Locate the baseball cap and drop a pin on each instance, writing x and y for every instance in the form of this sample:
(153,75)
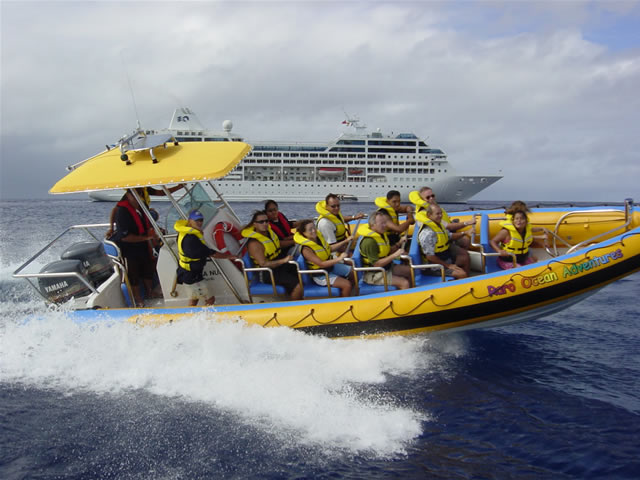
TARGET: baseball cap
(196,215)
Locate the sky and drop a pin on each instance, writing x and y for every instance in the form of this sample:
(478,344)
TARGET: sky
(546,93)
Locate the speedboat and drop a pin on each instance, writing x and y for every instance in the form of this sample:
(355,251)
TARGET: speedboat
(590,247)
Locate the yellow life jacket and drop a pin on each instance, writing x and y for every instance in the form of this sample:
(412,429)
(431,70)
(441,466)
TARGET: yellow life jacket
(383,203)
(384,247)
(518,244)
(321,249)
(341,225)
(271,244)
(443,240)
(183,229)
(416,199)
(421,206)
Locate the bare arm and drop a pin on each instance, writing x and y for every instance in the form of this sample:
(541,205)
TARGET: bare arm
(310,256)
(495,242)
(256,250)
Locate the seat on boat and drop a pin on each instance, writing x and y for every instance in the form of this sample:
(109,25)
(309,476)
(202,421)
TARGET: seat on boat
(421,272)
(490,258)
(252,279)
(311,288)
(366,288)
(113,252)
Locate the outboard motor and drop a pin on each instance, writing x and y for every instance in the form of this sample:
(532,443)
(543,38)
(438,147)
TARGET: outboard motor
(93,259)
(60,289)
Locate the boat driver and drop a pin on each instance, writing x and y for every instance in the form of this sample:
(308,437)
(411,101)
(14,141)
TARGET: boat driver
(332,224)
(132,234)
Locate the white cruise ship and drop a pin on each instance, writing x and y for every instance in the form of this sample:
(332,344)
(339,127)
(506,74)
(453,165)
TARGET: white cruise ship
(358,166)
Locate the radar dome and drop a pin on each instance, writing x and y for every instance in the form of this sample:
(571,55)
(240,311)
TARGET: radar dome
(227,125)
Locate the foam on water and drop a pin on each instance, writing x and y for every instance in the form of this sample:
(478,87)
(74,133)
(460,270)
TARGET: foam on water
(320,391)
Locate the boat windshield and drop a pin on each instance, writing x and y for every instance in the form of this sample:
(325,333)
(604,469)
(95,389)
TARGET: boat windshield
(196,198)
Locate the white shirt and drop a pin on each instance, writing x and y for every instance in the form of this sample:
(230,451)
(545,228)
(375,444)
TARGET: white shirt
(328,230)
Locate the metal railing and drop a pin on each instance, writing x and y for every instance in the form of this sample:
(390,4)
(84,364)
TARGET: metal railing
(28,276)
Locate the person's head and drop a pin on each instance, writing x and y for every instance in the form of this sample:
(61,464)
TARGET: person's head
(131,198)
(427,195)
(333,203)
(434,212)
(195,219)
(259,221)
(378,221)
(518,205)
(393,198)
(271,207)
(308,229)
(520,219)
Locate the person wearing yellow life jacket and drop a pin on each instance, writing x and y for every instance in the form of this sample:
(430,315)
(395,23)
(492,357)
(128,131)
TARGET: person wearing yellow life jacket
(264,249)
(515,237)
(331,223)
(377,251)
(391,204)
(193,253)
(317,252)
(437,244)
(425,197)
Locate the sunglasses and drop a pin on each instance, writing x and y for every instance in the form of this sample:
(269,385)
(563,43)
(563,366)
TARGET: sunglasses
(261,221)
(430,196)
(337,205)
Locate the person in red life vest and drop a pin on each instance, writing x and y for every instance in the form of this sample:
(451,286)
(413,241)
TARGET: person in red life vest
(132,234)
(145,193)
(193,253)
(280,224)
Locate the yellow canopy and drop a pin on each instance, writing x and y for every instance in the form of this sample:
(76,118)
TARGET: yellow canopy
(186,162)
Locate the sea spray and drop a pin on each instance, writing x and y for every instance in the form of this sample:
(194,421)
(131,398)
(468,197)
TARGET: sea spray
(312,389)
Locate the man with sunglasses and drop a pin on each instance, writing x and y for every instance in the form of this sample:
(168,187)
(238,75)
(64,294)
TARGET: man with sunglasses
(193,256)
(425,197)
(332,224)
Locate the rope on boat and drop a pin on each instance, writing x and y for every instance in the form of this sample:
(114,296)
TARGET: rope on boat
(546,268)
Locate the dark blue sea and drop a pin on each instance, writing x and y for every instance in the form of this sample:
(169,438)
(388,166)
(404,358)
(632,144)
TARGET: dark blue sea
(554,398)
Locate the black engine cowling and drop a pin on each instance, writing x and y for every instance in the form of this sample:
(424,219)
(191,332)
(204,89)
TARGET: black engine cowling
(59,289)
(93,259)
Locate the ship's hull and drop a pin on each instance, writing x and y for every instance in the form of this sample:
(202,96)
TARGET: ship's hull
(452,189)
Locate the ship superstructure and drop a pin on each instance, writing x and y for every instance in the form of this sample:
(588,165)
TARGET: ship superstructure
(358,165)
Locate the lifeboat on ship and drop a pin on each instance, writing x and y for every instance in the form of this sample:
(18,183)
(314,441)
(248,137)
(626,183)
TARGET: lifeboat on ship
(330,172)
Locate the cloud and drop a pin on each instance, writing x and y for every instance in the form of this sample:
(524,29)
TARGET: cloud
(517,87)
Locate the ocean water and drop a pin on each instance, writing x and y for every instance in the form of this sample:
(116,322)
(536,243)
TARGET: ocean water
(555,398)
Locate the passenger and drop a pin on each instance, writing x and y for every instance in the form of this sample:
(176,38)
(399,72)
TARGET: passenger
(426,197)
(332,224)
(193,253)
(376,251)
(317,253)
(144,193)
(515,237)
(132,233)
(437,246)
(279,224)
(264,250)
(391,204)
